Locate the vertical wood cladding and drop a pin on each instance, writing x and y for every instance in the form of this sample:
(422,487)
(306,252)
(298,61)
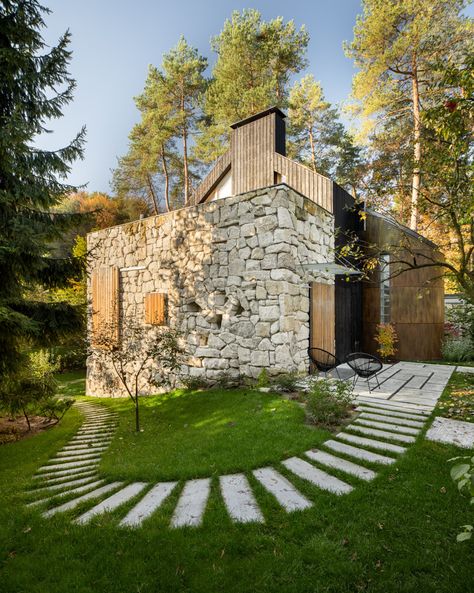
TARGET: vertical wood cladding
(417,296)
(156,308)
(105,303)
(322,316)
(252,149)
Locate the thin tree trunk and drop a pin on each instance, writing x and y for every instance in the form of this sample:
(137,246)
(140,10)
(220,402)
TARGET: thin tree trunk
(416,148)
(27,419)
(137,416)
(313,151)
(153,195)
(185,155)
(167,178)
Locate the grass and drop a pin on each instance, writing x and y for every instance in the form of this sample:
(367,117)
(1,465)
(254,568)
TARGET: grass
(457,401)
(395,534)
(191,434)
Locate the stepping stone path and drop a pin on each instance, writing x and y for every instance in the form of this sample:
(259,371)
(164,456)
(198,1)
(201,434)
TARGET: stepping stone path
(388,421)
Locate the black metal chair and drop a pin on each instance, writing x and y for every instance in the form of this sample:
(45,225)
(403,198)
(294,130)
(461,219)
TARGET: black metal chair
(324,361)
(364,366)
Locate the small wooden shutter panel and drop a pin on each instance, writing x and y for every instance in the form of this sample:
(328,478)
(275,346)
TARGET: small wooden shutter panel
(105,305)
(156,308)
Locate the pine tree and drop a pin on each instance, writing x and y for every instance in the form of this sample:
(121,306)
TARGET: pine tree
(396,44)
(255,60)
(34,88)
(158,165)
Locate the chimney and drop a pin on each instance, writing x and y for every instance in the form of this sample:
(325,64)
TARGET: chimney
(254,142)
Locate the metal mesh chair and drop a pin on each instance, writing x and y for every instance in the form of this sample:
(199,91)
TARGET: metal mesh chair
(324,361)
(364,366)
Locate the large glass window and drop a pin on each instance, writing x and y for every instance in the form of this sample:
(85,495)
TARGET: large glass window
(385,288)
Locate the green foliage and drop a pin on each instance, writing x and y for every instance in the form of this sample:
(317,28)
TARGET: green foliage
(34,88)
(255,60)
(386,338)
(318,138)
(328,402)
(457,349)
(262,379)
(287,382)
(158,153)
(463,475)
(29,389)
(194,383)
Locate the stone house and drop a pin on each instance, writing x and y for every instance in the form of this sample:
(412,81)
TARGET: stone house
(249,272)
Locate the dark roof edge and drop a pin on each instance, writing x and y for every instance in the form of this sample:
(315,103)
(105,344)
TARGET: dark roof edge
(258,115)
(402,227)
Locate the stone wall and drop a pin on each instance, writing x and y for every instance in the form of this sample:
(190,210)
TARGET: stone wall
(232,272)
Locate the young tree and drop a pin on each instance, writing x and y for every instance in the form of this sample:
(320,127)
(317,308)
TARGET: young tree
(396,43)
(138,353)
(255,60)
(34,88)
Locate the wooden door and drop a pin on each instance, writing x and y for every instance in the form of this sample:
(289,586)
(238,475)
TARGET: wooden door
(322,315)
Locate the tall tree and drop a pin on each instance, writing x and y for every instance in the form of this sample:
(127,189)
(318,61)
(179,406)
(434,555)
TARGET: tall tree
(314,124)
(158,158)
(396,43)
(255,60)
(30,178)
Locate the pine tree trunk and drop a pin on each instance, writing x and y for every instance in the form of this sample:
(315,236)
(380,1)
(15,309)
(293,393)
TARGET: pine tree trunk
(167,178)
(185,155)
(313,151)
(416,149)
(153,195)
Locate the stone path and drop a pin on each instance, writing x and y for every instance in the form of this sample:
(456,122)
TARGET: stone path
(389,421)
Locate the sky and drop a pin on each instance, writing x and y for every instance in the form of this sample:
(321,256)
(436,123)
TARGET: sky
(114,41)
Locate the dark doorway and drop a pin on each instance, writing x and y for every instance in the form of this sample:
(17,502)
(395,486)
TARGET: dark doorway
(348,315)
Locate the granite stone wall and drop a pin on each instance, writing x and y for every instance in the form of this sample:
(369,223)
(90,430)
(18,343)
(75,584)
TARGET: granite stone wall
(232,272)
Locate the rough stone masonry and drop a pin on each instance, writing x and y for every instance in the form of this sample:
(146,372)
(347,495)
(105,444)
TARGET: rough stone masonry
(232,273)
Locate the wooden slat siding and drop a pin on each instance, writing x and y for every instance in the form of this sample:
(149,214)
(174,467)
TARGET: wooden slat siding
(312,185)
(105,303)
(221,168)
(156,308)
(252,152)
(322,316)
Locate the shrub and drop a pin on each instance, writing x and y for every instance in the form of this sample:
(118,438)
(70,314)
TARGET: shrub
(386,338)
(262,379)
(457,349)
(328,402)
(287,382)
(194,383)
(27,391)
(461,318)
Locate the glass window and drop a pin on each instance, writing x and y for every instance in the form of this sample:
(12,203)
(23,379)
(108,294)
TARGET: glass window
(385,288)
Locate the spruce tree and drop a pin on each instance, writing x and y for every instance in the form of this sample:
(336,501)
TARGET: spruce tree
(34,88)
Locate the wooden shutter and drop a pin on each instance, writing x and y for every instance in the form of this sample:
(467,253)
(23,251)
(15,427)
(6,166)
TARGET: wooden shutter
(105,305)
(156,308)
(322,316)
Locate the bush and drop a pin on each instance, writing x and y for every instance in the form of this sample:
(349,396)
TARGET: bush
(461,319)
(457,349)
(194,383)
(287,382)
(463,474)
(28,390)
(386,338)
(262,379)
(328,402)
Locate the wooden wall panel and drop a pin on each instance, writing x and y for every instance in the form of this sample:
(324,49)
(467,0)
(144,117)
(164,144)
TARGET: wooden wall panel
(312,185)
(156,308)
(252,150)
(416,304)
(322,316)
(105,303)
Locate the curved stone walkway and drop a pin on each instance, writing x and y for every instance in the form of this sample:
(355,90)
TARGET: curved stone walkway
(377,437)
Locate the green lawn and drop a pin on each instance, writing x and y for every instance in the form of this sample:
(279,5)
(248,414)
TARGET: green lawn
(395,534)
(192,434)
